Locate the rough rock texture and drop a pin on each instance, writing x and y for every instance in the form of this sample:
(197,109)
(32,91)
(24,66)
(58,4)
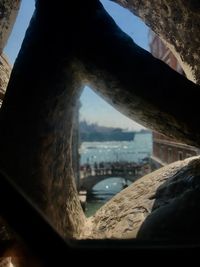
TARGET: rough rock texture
(134,82)
(164,203)
(5,232)
(5,70)
(5,262)
(178,24)
(59,56)
(36,126)
(8,13)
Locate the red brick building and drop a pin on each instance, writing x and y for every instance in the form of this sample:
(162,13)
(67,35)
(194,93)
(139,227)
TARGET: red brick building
(159,50)
(166,150)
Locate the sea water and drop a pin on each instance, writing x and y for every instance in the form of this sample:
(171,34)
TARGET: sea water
(129,151)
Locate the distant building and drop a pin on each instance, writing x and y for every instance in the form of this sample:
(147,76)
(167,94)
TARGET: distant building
(167,150)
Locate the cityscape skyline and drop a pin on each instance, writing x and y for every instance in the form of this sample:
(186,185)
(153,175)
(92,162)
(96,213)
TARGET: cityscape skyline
(93,109)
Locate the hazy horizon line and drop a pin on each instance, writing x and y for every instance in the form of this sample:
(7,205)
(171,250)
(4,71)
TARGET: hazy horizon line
(111,126)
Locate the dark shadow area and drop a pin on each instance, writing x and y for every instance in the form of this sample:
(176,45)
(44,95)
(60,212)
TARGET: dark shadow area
(49,248)
(175,213)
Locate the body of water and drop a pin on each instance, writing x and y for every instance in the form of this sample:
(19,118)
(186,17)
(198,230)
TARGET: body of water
(131,151)
(96,152)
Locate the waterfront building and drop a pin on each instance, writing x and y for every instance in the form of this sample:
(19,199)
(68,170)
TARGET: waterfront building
(167,150)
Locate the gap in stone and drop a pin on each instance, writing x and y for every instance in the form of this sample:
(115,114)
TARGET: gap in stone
(129,23)
(167,150)
(17,35)
(160,150)
(164,150)
(113,165)
(114,151)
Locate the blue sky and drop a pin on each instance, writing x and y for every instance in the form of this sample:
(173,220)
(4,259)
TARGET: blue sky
(94,108)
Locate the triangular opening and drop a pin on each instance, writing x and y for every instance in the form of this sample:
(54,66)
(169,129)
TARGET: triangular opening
(114,151)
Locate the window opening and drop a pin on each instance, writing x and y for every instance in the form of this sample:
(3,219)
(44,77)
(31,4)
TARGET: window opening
(114,151)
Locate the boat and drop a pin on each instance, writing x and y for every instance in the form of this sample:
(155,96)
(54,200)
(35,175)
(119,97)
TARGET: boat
(104,136)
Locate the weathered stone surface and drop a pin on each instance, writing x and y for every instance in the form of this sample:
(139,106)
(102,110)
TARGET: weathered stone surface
(174,189)
(140,86)
(175,214)
(36,125)
(37,114)
(5,70)
(5,262)
(178,24)
(5,231)
(8,13)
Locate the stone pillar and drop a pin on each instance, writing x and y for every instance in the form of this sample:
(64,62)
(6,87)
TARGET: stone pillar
(36,126)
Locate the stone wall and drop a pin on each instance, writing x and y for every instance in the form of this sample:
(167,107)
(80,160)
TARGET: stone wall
(177,23)
(8,13)
(56,60)
(5,70)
